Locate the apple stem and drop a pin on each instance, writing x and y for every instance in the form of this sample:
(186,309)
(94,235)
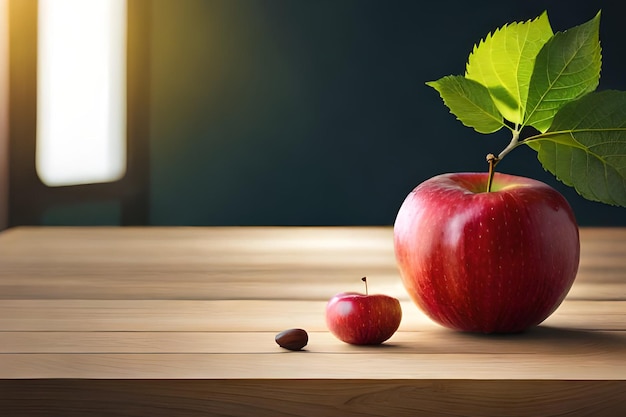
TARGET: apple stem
(492,160)
(364,279)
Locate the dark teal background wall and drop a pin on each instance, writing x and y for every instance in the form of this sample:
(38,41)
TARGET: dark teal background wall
(301,112)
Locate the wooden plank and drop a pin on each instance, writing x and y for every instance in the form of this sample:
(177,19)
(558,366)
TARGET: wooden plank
(243,315)
(180,239)
(312,398)
(268,285)
(237,263)
(64,241)
(544,340)
(378,363)
(600,291)
(197,246)
(151,315)
(193,263)
(603,273)
(312,283)
(196,243)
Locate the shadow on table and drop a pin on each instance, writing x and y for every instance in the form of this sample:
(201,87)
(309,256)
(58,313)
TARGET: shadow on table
(547,338)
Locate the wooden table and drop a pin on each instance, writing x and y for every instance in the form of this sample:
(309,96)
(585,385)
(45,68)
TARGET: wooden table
(181,322)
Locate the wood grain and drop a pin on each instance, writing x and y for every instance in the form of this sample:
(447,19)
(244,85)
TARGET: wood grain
(238,263)
(314,398)
(543,340)
(380,362)
(243,315)
(181,321)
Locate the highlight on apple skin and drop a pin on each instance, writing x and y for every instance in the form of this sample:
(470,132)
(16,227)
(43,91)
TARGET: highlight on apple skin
(489,262)
(362,319)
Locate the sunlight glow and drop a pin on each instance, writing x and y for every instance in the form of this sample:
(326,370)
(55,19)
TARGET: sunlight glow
(81,103)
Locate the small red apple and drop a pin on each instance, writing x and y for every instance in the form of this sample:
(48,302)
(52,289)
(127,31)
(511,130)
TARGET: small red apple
(499,261)
(363,319)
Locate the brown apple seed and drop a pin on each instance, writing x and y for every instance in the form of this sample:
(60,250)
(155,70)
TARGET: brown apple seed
(292,339)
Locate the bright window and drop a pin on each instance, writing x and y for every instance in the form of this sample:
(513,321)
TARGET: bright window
(81,99)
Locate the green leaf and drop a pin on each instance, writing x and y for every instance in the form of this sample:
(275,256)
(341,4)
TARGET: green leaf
(567,67)
(586,146)
(470,102)
(503,62)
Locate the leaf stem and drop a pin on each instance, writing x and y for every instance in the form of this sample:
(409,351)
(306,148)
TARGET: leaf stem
(493,161)
(512,145)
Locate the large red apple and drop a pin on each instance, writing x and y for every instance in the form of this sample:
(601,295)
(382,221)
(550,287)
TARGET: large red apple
(499,261)
(363,319)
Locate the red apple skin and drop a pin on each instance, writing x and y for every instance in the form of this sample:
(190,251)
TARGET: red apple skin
(361,319)
(497,262)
